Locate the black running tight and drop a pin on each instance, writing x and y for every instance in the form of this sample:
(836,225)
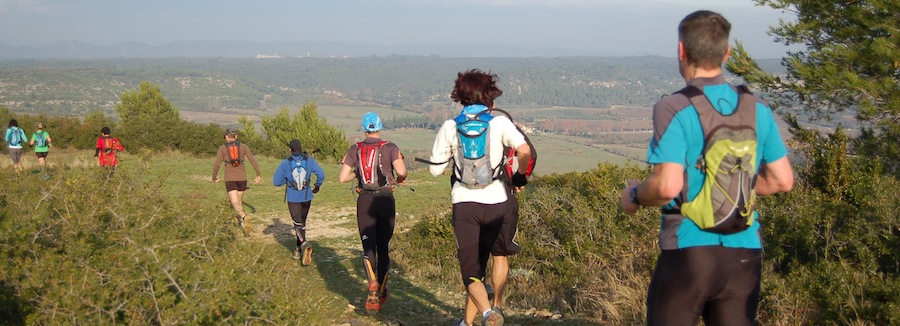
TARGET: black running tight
(299,212)
(375,216)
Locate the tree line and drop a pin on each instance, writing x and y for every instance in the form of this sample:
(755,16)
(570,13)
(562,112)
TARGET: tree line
(147,121)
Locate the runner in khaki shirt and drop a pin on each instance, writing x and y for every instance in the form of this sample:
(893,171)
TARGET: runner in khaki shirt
(234,154)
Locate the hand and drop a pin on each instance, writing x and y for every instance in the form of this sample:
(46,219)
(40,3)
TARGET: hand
(256,180)
(215,179)
(628,206)
(519,180)
(315,190)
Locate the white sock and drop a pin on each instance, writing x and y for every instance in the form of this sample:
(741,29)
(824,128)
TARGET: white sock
(463,323)
(485,313)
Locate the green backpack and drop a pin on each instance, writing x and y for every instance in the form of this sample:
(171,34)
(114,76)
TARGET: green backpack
(727,199)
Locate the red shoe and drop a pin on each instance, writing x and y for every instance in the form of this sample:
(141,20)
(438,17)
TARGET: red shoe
(373,301)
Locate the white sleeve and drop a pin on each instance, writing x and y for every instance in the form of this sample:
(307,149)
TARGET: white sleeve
(511,136)
(442,150)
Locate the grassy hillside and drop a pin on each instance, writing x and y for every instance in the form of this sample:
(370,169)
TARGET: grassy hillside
(156,244)
(162,214)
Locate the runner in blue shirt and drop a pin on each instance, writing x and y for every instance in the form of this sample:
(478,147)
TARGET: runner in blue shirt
(295,172)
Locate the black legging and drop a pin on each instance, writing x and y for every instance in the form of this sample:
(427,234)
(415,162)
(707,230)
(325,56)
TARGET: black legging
(375,215)
(299,212)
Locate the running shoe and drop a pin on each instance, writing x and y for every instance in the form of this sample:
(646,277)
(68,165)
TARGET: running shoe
(244,224)
(307,253)
(296,254)
(493,318)
(383,296)
(373,302)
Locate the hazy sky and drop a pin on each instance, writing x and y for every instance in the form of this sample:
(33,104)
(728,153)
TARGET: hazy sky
(619,27)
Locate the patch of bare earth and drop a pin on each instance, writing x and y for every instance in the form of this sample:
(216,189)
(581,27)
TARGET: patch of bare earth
(323,223)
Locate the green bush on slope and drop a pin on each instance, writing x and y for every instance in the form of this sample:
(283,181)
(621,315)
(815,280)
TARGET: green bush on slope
(81,250)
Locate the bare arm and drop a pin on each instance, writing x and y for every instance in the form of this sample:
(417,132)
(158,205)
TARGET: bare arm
(400,169)
(775,177)
(346,172)
(523,154)
(663,185)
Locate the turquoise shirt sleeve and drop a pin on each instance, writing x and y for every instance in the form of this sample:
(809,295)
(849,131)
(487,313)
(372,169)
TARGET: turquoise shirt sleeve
(671,147)
(771,146)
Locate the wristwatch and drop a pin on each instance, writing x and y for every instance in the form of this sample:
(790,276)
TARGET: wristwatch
(634,196)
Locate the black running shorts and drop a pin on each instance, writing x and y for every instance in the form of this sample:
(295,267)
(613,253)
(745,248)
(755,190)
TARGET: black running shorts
(236,185)
(718,283)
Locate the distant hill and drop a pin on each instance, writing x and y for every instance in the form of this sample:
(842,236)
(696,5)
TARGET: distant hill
(67,49)
(410,83)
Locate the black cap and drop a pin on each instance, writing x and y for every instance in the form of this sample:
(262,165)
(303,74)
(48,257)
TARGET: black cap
(105,130)
(230,132)
(296,147)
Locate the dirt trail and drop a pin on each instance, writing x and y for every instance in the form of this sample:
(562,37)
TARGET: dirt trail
(323,223)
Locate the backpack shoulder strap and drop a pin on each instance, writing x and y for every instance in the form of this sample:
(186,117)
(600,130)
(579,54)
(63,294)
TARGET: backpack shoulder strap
(744,113)
(746,109)
(702,105)
(483,116)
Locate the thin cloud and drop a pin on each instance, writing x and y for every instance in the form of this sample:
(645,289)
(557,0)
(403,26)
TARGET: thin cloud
(528,3)
(26,6)
(587,3)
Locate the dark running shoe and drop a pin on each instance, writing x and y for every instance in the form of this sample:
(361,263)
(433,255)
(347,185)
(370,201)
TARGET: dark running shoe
(383,296)
(296,254)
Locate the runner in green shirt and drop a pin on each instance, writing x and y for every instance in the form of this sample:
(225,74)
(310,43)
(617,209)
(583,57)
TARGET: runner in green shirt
(40,139)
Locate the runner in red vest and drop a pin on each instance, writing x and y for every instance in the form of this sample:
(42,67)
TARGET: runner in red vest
(375,209)
(107,147)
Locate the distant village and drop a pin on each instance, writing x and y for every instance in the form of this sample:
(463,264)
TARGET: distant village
(276,56)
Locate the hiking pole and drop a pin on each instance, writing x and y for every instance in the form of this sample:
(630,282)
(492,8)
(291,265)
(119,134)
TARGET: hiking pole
(422,160)
(401,185)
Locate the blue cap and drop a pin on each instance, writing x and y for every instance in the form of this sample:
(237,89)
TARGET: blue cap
(371,122)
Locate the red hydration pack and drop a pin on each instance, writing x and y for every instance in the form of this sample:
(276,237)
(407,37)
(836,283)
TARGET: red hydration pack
(234,153)
(369,167)
(509,154)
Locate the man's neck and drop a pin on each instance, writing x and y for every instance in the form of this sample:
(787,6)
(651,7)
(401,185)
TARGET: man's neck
(698,72)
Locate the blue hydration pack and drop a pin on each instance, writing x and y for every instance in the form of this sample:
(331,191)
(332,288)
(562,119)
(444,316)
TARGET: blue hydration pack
(15,137)
(299,173)
(474,168)
(40,139)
